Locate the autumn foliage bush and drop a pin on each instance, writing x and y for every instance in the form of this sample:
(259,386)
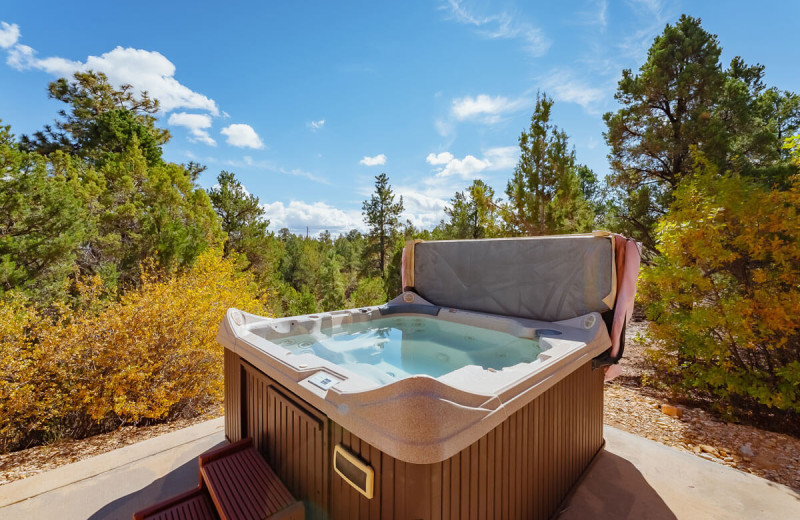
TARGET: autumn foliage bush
(150,354)
(724,295)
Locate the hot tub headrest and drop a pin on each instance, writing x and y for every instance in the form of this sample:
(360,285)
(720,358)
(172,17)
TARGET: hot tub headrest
(548,278)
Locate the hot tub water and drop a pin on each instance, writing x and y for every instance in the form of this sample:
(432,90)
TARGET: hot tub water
(394,348)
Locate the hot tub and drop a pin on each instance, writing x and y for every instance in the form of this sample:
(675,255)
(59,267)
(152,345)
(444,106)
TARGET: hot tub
(423,409)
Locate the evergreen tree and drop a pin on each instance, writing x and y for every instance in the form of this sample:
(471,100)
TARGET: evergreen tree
(544,196)
(43,220)
(138,207)
(381,214)
(243,221)
(145,212)
(102,120)
(681,104)
(332,283)
(472,214)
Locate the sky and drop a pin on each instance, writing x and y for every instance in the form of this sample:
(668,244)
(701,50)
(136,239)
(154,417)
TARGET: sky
(306,102)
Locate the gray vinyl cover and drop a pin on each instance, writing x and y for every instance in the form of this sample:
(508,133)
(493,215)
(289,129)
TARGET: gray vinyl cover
(542,278)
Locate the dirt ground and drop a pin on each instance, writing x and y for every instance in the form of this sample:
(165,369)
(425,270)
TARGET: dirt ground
(638,410)
(628,406)
(26,463)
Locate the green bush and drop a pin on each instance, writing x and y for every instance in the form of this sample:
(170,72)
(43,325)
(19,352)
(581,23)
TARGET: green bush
(724,297)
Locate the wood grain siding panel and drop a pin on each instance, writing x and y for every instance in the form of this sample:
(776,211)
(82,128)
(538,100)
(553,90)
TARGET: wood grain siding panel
(291,436)
(522,469)
(232,397)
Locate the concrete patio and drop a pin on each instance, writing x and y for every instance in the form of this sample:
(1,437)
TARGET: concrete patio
(632,478)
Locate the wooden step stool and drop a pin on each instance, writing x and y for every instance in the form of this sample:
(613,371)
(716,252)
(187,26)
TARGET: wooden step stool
(236,483)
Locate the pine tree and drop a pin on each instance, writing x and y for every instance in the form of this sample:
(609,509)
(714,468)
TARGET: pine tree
(381,215)
(681,105)
(471,214)
(544,196)
(243,221)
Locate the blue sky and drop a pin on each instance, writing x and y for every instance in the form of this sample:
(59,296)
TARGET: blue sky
(307,102)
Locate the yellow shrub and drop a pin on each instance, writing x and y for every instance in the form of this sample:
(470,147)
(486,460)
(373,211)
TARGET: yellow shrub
(150,355)
(724,296)
(18,392)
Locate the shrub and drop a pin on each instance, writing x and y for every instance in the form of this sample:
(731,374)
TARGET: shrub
(724,296)
(150,355)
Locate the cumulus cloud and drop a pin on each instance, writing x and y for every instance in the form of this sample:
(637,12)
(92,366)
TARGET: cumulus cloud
(242,136)
(423,208)
(316,125)
(373,161)
(198,125)
(145,70)
(501,25)
(465,168)
(441,158)
(424,204)
(485,108)
(499,158)
(317,216)
(9,34)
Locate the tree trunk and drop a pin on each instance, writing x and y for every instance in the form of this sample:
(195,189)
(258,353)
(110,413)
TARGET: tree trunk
(383,252)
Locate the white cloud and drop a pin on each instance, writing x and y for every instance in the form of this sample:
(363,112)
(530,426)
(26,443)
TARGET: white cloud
(441,158)
(373,161)
(9,34)
(654,7)
(197,125)
(423,209)
(651,15)
(596,15)
(443,127)
(502,25)
(316,125)
(465,168)
(242,136)
(485,108)
(318,216)
(499,158)
(248,161)
(563,86)
(602,13)
(502,157)
(413,199)
(297,172)
(20,56)
(145,70)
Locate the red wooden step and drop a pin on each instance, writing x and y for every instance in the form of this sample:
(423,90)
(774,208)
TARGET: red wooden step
(192,505)
(244,487)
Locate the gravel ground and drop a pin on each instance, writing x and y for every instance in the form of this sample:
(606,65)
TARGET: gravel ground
(628,406)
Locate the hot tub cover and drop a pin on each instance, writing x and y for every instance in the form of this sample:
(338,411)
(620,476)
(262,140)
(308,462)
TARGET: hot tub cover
(547,278)
(543,278)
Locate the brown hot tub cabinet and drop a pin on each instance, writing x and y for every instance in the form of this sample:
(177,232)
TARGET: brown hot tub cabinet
(476,442)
